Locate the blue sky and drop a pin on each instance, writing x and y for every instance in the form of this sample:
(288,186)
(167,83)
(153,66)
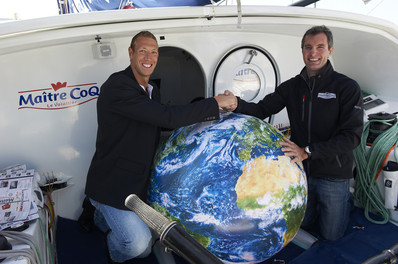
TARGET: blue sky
(386,9)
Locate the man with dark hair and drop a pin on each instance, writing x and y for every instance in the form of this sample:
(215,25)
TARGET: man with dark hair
(325,111)
(317,30)
(130,115)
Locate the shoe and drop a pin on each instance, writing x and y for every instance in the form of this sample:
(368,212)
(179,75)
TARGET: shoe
(86,219)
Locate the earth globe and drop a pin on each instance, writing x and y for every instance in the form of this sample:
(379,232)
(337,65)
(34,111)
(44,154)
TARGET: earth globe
(228,184)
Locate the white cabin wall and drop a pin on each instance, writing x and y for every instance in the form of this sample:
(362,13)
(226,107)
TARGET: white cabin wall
(373,65)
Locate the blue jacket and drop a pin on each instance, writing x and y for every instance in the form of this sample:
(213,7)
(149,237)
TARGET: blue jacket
(128,135)
(325,113)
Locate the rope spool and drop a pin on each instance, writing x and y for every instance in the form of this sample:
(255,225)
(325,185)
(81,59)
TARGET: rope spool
(369,162)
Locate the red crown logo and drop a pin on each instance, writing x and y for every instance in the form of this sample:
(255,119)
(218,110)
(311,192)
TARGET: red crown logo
(58,85)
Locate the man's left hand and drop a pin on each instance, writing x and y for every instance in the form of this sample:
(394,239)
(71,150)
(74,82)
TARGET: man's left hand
(292,150)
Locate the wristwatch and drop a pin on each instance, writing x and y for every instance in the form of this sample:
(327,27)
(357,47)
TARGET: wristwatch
(308,151)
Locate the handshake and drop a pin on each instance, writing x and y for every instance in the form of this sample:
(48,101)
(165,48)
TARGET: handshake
(227,102)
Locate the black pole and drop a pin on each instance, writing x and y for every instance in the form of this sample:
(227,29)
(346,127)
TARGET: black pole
(304,2)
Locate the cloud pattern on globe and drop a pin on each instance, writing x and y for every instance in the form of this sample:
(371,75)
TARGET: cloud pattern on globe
(228,184)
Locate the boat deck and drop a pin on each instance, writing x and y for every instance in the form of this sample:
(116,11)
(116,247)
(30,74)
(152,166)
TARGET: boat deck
(362,241)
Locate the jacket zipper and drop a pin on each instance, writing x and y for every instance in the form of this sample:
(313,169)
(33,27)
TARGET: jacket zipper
(310,108)
(302,109)
(338,161)
(311,86)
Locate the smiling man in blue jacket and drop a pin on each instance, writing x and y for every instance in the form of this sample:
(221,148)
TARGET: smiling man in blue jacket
(325,110)
(130,116)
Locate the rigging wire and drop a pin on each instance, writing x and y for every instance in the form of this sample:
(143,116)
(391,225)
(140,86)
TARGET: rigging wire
(369,163)
(376,6)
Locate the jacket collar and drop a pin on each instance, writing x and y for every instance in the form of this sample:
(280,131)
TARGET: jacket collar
(128,71)
(321,75)
(155,91)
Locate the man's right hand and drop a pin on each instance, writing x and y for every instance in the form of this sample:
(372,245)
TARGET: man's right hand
(227,101)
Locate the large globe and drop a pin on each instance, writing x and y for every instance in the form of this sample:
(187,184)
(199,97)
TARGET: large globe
(228,184)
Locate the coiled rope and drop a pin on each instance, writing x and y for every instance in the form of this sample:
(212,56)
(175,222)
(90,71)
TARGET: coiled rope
(369,162)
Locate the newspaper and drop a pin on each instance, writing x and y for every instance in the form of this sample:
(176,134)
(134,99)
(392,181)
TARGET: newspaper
(16,196)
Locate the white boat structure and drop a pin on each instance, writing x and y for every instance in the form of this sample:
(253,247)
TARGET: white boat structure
(52,68)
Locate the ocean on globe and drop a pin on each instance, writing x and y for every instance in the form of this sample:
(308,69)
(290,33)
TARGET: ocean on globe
(228,184)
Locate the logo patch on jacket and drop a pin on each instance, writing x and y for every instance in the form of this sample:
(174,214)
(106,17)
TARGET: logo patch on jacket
(327,95)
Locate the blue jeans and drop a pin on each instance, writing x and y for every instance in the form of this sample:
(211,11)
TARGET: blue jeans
(129,236)
(329,202)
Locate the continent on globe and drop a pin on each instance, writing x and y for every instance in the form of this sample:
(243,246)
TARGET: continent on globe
(229,185)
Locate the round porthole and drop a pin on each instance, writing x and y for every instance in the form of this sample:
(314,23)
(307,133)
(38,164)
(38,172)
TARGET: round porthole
(248,72)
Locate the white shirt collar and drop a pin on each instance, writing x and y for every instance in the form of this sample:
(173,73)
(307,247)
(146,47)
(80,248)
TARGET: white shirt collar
(150,88)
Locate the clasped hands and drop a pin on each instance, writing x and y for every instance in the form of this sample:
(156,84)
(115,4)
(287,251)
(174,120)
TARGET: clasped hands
(227,102)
